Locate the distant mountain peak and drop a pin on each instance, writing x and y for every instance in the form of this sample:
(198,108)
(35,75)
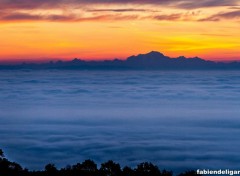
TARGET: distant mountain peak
(77,61)
(155,53)
(181,57)
(151,56)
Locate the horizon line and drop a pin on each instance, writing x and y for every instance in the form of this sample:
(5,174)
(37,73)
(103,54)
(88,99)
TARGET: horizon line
(13,61)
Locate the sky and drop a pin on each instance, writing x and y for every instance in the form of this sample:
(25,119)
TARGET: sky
(37,30)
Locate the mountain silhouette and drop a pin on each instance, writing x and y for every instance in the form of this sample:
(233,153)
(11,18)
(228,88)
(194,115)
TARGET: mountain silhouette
(151,61)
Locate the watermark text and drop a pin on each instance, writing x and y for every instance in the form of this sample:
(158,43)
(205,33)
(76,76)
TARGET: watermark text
(218,172)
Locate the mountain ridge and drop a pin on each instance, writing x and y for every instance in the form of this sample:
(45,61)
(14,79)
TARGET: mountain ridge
(153,60)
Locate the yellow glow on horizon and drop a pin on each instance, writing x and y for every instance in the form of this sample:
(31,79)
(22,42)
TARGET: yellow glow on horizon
(111,38)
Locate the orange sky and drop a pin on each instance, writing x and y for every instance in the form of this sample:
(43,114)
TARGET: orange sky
(45,30)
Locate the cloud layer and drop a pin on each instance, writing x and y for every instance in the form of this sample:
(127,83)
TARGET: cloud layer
(226,15)
(91,10)
(189,4)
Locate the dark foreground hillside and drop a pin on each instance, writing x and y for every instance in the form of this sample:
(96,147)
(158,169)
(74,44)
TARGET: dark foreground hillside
(86,168)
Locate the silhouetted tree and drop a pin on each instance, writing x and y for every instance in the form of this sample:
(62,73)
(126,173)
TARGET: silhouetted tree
(50,170)
(15,167)
(86,168)
(1,154)
(8,168)
(147,169)
(4,166)
(77,167)
(110,169)
(89,165)
(166,173)
(127,171)
(67,171)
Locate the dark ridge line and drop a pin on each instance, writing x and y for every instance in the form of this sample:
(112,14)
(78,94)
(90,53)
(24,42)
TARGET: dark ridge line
(151,61)
(87,168)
